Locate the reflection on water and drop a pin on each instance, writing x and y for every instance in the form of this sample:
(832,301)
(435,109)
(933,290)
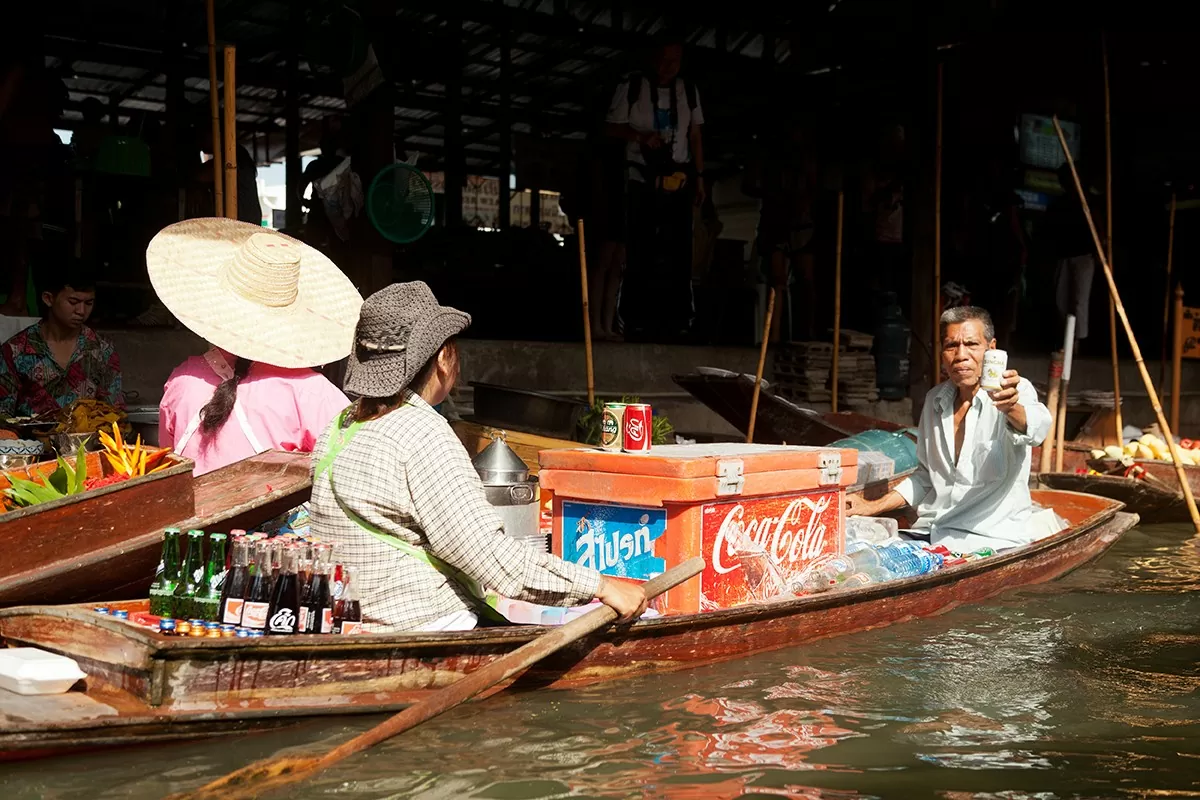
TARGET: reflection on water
(1086,687)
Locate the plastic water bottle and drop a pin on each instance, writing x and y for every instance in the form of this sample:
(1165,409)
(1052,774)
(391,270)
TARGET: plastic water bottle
(823,575)
(905,559)
(867,561)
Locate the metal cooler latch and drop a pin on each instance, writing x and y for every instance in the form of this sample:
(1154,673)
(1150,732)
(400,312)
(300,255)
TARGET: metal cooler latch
(829,465)
(731,477)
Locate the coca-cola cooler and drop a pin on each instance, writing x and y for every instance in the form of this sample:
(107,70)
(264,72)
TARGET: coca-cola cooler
(757,514)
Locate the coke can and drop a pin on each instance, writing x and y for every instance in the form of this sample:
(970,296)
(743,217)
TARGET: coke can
(637,427)
(612,427)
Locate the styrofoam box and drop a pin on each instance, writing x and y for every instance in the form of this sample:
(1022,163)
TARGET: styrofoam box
(27,670)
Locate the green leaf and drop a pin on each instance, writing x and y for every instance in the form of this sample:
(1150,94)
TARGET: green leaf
(32,493)
(81,470)
(61,478)
(21,496)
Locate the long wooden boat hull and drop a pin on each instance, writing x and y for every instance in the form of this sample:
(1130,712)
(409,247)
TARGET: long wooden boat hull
(85,568)
(144,687)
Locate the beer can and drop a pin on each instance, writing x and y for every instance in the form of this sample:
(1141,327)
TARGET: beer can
(612,426)
(637,428)
(995,363)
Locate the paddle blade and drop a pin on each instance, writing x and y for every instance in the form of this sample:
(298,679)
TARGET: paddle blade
(251,781)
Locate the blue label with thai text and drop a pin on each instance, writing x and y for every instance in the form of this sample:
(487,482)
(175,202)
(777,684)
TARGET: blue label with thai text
(614,540)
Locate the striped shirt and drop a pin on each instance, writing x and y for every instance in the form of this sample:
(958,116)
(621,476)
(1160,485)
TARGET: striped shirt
(407,474)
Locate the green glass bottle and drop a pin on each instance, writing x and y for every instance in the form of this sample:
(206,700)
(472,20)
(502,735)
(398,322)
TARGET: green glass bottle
(166,577)
(191,579)
(208,595)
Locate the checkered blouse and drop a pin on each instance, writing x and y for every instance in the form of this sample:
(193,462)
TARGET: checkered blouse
(407,474)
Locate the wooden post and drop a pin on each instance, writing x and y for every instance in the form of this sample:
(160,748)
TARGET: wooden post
(1162,372)
(837,302)
(1064,389)
(1055,382)
(214,107)
(1108,240)
(762,361)
(230,147)
(504,197)
(1184,485)
(587,319)
(937,233)
(293,166)
(1177,360)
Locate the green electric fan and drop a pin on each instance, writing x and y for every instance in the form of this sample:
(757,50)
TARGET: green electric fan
(400,203)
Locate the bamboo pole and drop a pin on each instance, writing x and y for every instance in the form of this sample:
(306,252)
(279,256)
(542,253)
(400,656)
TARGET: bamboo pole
(587,320)
(1108,241)
(214,107)
(937,236)
(1177,359)
(1162,372)
(762,362)
(1055,382)
(230,149)
(1184,486)
(837,301)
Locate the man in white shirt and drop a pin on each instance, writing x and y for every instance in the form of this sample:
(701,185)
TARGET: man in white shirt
(971,486)
(658,115)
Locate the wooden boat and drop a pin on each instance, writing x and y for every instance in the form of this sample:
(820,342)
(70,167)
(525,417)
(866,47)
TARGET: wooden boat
(144,687)
(114,554)
(778,420)
(781,420)
(1155,497)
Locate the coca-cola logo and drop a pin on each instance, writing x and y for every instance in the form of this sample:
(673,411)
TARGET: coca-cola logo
(283,621)
(782,537)
(636,429)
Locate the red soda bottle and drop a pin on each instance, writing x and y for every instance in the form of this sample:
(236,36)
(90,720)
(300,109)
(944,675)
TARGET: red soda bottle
(347,611)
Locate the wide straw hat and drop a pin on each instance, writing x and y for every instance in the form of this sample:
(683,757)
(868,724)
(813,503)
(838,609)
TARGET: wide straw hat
(401,328)
(253,292)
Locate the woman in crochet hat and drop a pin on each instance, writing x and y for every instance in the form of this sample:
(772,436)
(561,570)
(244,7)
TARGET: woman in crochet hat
(270,308)
(397,494)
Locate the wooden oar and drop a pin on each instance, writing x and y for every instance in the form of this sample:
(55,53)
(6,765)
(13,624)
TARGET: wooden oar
(837,306)
(1108,238)
(587,320)
(1064,387)
(1162,372)
(762,362)
(1137,351)
(268,775)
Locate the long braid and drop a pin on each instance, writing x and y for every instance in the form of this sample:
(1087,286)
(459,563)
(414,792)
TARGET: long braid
(216,413)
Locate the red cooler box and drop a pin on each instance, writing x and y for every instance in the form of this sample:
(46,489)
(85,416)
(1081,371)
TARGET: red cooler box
(757,514)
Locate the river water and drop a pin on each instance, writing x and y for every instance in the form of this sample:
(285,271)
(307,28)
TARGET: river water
(1082,688)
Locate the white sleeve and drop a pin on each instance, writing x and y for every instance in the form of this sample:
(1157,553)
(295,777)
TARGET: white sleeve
(618,109)
(1037,416)
(698,111)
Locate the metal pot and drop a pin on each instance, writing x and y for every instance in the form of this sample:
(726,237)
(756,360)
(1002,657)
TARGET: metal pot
(511,491)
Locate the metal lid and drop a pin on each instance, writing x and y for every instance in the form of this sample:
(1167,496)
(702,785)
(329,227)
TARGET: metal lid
(498,465)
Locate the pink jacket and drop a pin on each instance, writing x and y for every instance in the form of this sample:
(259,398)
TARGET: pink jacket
(285,409)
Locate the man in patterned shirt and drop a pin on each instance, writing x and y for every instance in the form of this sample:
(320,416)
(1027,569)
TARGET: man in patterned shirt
(59,360)
(396,493)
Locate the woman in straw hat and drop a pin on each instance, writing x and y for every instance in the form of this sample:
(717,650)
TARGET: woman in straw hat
(271,308)
(397,494)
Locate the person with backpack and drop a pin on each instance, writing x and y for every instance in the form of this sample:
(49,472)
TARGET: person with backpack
(658,115)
